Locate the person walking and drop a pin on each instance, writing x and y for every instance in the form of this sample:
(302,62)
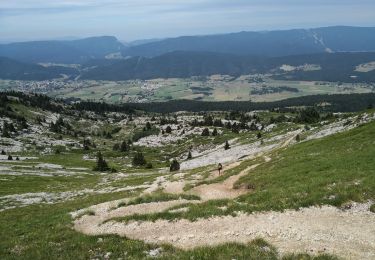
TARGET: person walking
(220,167)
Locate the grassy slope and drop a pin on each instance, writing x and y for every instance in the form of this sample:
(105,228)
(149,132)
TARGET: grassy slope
(25,184)
(45,231)
(301,175)
(332,171)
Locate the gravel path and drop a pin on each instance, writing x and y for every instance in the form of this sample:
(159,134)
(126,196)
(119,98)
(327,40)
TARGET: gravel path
(174,187)
(349,234)
(222,190)
(94,224)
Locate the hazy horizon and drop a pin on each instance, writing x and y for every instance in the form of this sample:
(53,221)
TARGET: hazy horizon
(24,20)
(76,37)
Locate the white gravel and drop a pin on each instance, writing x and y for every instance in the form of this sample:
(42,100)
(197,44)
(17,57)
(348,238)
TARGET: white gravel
(348,234)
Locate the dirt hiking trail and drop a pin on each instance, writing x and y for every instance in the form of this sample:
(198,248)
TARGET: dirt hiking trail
(222,190)
(349,234)
(346,233)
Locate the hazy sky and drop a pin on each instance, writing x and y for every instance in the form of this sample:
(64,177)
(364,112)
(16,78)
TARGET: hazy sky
(140,19)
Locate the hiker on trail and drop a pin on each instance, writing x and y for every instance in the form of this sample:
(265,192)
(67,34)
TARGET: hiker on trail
(219,167)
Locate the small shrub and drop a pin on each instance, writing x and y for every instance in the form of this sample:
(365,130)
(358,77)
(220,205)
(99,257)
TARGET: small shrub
(175,166)
(121,204)
(86,213)
(90,213)
(149,166)
(116,147)
(372,208)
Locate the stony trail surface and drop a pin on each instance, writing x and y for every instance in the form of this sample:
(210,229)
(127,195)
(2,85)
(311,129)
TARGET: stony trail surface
(112,209)
(346,233)
(222,190)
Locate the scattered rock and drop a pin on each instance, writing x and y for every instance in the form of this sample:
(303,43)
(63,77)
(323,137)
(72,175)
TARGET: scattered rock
(154,252)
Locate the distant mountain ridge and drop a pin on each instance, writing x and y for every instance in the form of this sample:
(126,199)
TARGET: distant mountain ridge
(267,43)
(334,53)
(12,69)
(182,64)
(179,64)
(76,51)
(264,43)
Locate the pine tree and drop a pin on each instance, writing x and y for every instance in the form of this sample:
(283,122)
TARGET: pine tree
(10,158)
(253,127)
(116,147)
(259,135)
(101,164)
(108,135)
(86,144)
(124,147)
(168,130)
(214,133)
(298,138)
(208,120)
(205,132)
(6,133)
(175,166)
(226,146)
(218,123)
(235,128)
(22,123)
(139,159)
(190,156)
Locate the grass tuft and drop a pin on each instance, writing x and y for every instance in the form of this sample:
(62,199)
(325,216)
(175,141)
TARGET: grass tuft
(372,208)
(158,197)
